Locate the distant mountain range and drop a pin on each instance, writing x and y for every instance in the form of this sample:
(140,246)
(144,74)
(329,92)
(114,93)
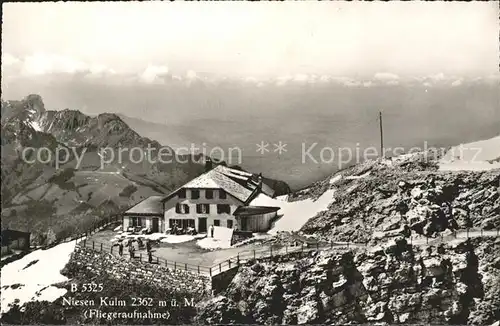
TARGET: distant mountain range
(44,196)
(41,197)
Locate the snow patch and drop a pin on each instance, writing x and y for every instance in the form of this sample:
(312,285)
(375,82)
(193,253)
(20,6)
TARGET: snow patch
(221,240)
(335,179)
(25,281)
(355,177)
(477,156)
(36,126)
(180,238)
(295,214)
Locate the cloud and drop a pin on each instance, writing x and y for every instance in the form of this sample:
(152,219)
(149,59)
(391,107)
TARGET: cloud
(385,76)
(325,78)
(153,74)
(192,75)
(282,80)
(40,63)
(99,69)
(392,82)
(493,79)
(43,63)
(9,60)
(437,77)
(457,82)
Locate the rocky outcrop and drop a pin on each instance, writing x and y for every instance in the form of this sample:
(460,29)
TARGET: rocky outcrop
(387,202)
(395,283)
(317,289)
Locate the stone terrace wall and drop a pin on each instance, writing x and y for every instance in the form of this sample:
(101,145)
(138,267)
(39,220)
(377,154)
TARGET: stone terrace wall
(121,268)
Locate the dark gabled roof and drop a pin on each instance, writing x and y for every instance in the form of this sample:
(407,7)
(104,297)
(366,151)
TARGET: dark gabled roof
(149,206)
(254,210)
(219,177)
(267,190)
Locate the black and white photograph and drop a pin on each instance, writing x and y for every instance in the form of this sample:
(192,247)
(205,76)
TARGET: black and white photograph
(240,162)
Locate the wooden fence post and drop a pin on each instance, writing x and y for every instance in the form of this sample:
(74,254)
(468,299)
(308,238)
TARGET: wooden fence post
(84,242)
(101,246)
(166,263)
(93,245)
(198,269)
(175,265)
(111,249)
(238,258)
(220,267)
(229,263)
(210,271)
(186,267)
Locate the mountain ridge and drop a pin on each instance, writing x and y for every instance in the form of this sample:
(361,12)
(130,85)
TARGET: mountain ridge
(58,195)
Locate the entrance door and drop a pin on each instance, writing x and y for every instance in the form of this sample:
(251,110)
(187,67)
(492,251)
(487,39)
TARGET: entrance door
(243,223)
(202,224)
(155,227)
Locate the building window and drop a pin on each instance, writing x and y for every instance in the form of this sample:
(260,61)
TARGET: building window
(182,193)
(230,224)
(195,194)
(216,222)
(182,208)
(222,194)
(137,221)
(209,194)
(181,223)
(223,208)
(203,208)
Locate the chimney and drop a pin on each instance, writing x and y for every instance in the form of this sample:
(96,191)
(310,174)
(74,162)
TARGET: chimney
(208,164)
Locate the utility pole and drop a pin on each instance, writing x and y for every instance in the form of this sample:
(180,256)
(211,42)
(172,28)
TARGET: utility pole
(382,154)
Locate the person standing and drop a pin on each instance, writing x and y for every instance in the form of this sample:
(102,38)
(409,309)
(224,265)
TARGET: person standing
(150,256)
(120,248)
(132,251)
(211,231)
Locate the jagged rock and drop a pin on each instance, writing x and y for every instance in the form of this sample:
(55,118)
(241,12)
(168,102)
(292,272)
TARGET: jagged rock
(307,313)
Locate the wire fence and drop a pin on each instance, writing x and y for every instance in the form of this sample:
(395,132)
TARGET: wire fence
(95,227)
(269,252)
(142,258)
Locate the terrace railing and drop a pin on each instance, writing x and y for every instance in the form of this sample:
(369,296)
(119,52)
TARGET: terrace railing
(272,252)
(143,258)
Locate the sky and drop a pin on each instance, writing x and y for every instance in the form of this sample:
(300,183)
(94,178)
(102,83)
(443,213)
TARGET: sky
(253,39)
